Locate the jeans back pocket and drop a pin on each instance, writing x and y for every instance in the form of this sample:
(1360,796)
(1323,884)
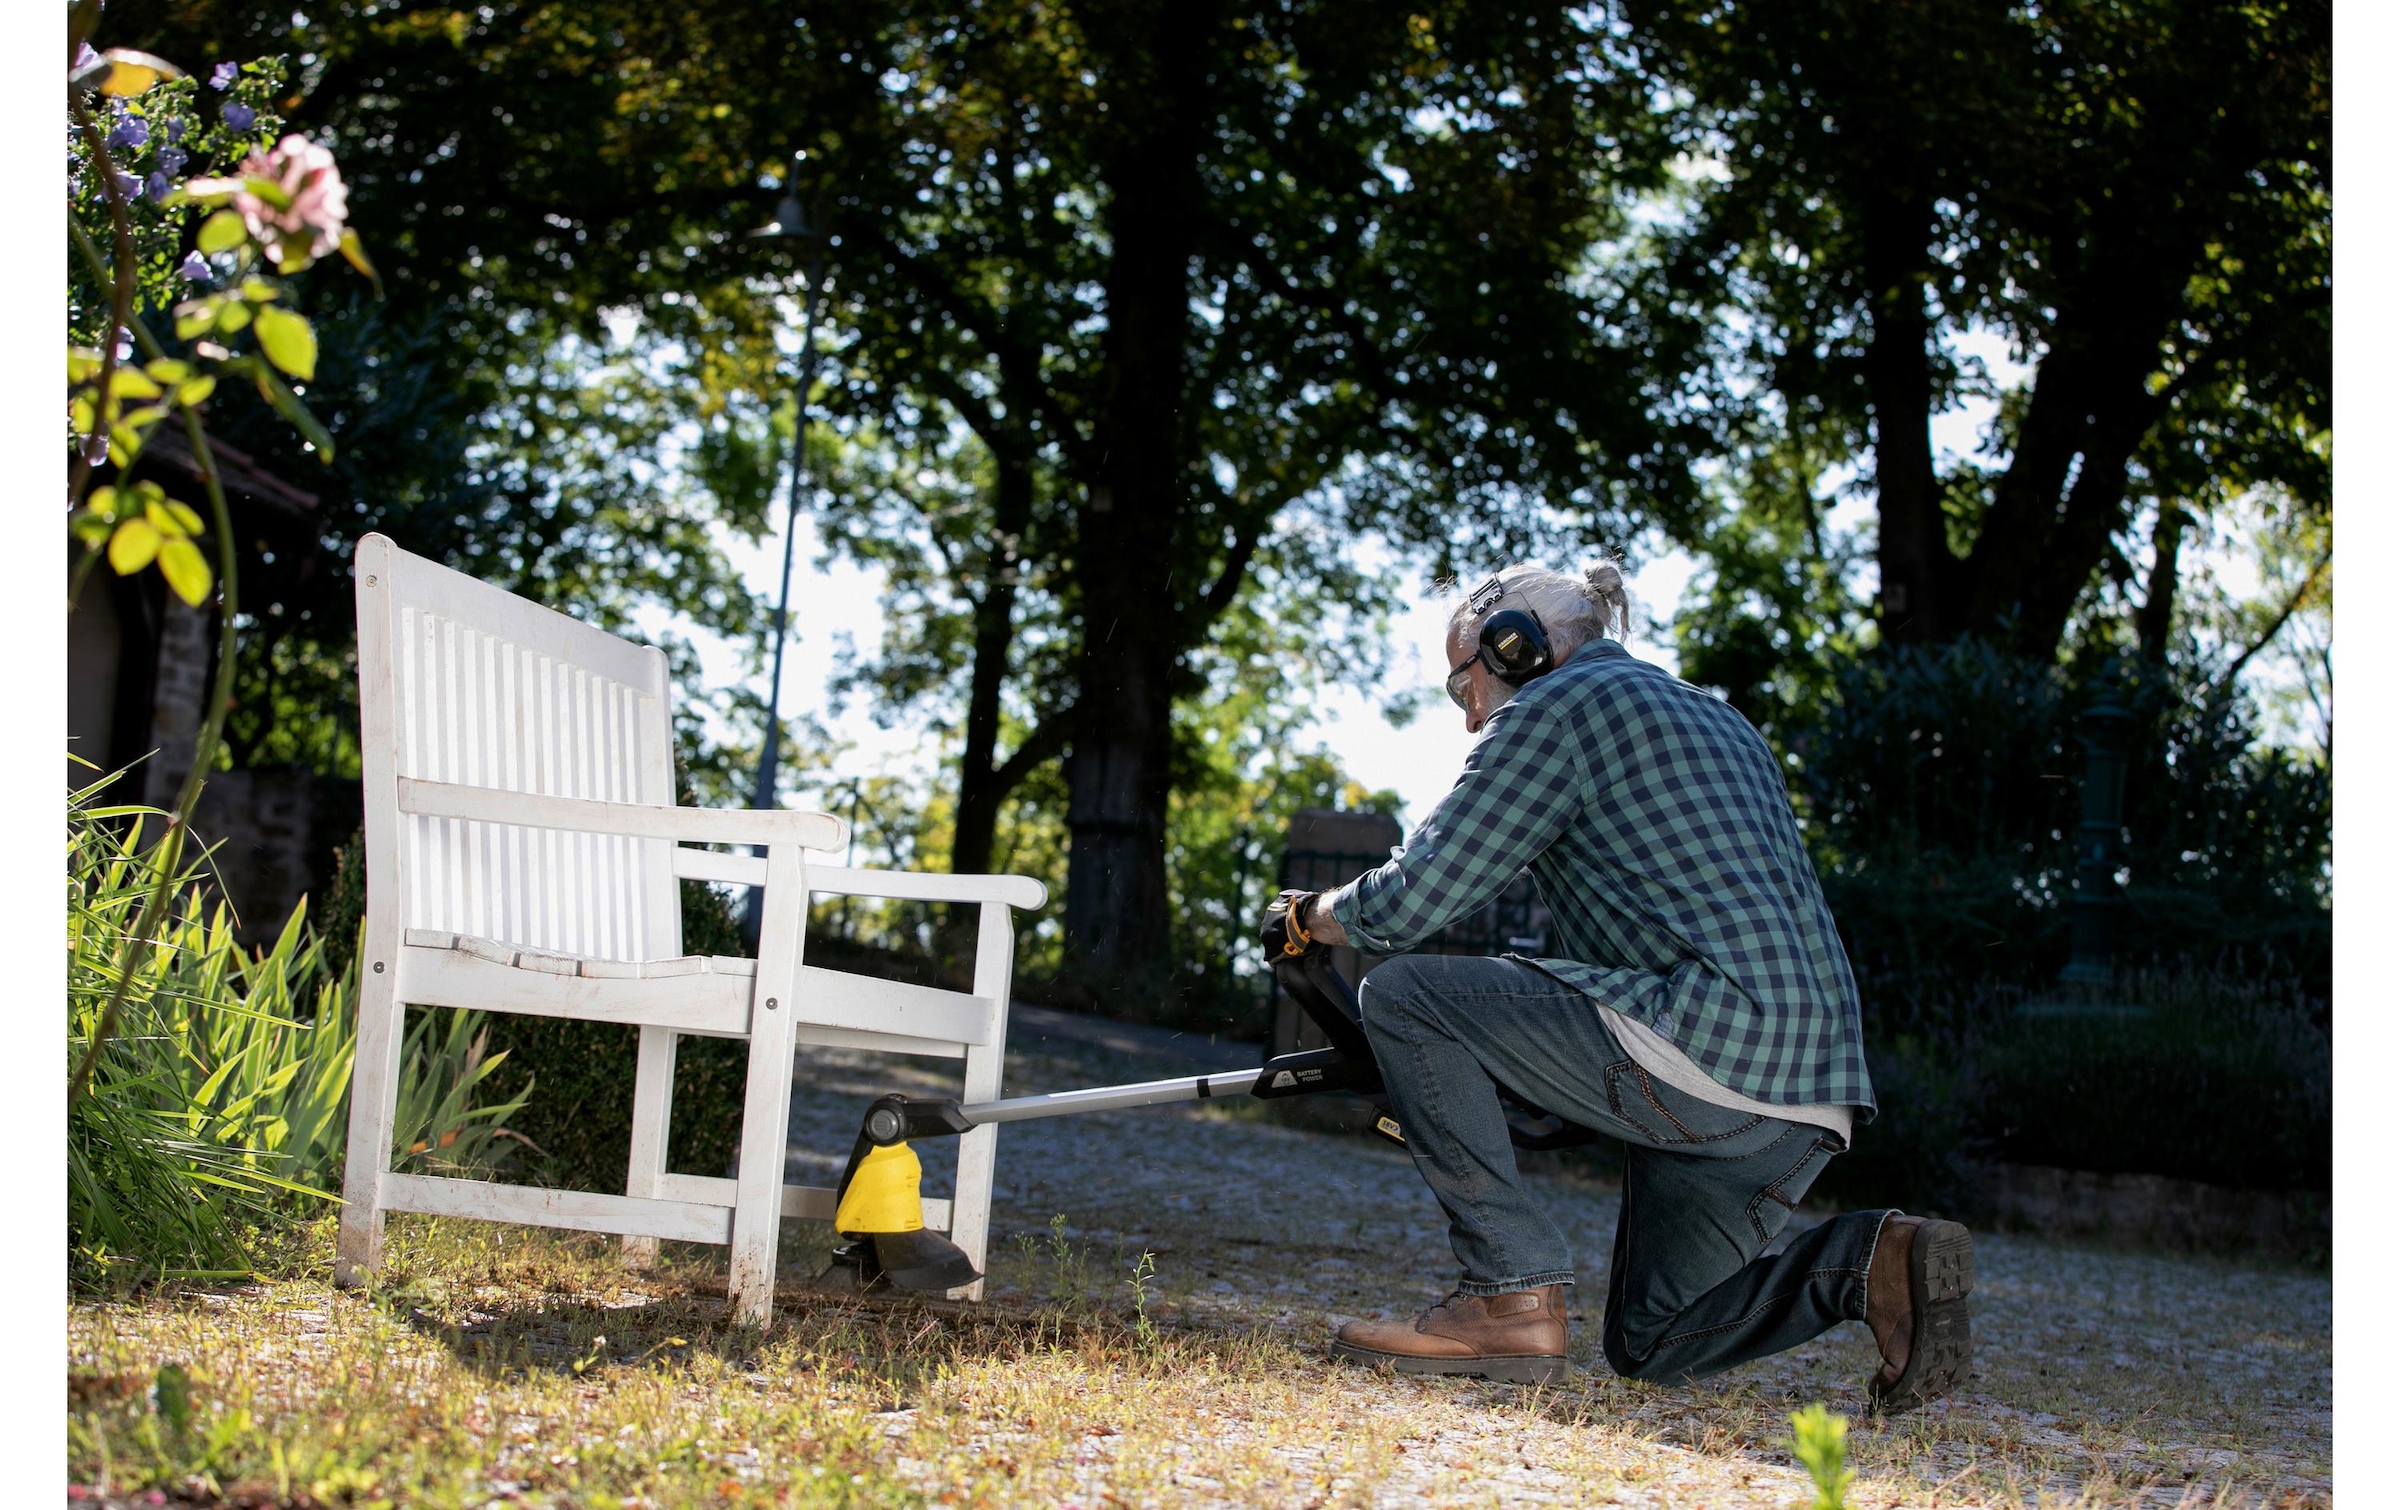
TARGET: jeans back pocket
(1668,1117)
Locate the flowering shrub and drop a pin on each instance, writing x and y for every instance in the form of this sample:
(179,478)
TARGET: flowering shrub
(276,204)
(136,123)
(156,140)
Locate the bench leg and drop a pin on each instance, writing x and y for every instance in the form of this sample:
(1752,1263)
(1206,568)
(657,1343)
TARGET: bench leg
(758,1179)
(971,1205)
(767,1099)
(653,1107)
(374,1094)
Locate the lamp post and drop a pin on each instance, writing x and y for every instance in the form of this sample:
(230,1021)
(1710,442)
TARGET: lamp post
(793,223)
(2105,727)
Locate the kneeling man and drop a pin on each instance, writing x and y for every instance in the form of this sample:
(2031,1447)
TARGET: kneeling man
(1699,1009)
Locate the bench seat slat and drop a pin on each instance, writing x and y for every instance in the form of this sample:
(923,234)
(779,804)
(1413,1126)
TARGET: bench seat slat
(702,994)
(710,1005)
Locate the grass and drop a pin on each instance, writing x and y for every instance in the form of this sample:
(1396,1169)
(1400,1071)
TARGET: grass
(498,1362)
(218,1099)
(1161,1286)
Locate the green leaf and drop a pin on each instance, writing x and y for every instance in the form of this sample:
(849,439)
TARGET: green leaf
(92,527)
(168,369)
(103,503)
(260,291)
(134,546)
(194,391)
(355,252)
(132,382)
(131,72)
(222,232)
(173,1394)
(162,519)
(269,190)
(288,341)
(83,364)
(232,315)
(194,317)
(185,516)
(287,403)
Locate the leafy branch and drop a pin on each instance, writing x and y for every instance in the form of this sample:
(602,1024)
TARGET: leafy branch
(289,204)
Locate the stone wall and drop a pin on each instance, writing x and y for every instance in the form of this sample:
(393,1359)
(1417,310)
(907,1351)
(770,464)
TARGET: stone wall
(274,831)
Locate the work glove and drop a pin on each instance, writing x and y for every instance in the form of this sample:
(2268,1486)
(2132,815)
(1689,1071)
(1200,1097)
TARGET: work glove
(1282,931)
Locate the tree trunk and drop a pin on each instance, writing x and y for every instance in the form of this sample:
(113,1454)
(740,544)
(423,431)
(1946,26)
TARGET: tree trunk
(1116,911)
(980,783)
(1136,510)
(2156,619)
(2064,492)
(1912,541)
(2094,509)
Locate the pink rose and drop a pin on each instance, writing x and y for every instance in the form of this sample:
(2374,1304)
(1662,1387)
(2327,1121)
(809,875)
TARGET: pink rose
(316,203)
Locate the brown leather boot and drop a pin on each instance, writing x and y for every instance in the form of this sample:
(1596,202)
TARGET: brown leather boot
(1517,1338)
(1917,1286)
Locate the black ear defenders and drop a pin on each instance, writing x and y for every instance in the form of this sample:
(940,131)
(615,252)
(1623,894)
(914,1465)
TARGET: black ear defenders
(1513,647)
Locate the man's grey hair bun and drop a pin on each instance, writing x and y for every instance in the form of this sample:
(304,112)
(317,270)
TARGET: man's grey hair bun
(1604,585)
(1574,610)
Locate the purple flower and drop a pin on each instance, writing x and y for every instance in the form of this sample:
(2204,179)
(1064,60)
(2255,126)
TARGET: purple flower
(239,116)
(174,128)
(223,75)
(194,269)
(132,131)
(170,160)
(158,186)
(128,186)
(84,57)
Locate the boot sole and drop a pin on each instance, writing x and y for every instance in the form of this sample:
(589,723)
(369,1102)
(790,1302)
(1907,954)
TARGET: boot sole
(1507,1368)
(1941,1352)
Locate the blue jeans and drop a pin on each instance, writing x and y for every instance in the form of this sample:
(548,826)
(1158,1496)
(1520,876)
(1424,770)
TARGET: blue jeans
(1707,1188)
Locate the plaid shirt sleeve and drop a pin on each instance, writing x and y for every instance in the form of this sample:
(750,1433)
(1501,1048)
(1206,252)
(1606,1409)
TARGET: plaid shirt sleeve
(1521,787)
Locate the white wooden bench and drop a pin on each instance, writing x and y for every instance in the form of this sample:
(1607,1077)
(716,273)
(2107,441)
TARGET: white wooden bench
(523,854)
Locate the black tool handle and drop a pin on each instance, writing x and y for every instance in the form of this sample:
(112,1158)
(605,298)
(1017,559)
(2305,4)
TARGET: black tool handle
(1310,979)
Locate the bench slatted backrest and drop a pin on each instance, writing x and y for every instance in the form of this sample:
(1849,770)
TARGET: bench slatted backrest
(485,689)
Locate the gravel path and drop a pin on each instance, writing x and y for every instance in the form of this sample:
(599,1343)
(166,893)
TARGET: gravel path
(2103,1378)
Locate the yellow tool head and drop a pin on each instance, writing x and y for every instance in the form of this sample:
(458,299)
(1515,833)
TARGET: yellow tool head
(882,1194)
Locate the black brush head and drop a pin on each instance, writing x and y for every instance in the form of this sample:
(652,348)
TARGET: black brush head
(924,1261)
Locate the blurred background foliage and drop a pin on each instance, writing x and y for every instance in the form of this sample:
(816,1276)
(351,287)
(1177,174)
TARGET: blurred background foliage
(1463,281)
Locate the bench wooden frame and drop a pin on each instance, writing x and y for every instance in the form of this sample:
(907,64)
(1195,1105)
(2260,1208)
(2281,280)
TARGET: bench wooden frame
(523,852)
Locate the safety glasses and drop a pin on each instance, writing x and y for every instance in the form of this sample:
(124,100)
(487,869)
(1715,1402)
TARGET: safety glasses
(1456,683)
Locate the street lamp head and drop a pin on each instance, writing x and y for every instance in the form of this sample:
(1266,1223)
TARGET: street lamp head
(792,220)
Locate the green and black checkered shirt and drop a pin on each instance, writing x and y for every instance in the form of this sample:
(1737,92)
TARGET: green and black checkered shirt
(1655,821)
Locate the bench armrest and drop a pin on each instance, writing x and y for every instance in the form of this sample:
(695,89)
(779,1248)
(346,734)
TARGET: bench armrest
(1021,892)
(693,825)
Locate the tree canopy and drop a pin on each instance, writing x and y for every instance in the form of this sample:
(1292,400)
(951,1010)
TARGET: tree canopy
(1204,288)
(2134,194)
(1139,316)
